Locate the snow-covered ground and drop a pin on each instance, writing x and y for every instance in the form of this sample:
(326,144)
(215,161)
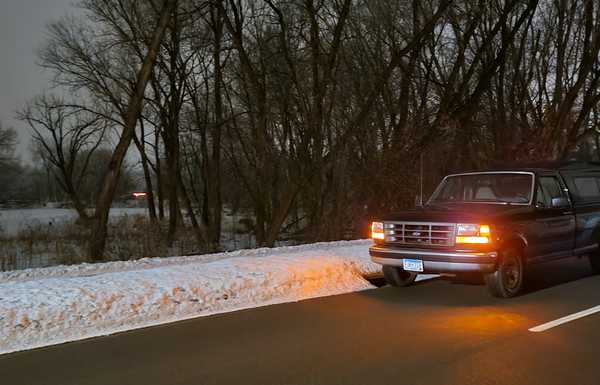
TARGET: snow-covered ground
(14,220)
(40,307)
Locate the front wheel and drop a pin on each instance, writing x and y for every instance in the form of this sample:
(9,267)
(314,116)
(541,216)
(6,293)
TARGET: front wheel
(507,280)
(398,277)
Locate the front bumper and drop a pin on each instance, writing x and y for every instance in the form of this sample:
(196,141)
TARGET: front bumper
(437,261)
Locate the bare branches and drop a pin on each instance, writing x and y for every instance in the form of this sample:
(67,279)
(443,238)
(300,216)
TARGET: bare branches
(131,116)
(317,109)
(68,139)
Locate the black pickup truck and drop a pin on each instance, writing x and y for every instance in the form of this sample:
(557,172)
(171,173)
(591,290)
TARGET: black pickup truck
(495,223)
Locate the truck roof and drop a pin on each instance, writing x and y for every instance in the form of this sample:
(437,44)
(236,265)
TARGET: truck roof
(547,166)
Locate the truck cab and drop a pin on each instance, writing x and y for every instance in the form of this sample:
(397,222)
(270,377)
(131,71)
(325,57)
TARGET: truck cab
(495,223)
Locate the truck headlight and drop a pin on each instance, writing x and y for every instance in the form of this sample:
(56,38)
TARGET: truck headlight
(472,233)
(377,231)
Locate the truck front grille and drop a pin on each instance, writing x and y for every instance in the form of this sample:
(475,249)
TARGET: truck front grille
(420,234)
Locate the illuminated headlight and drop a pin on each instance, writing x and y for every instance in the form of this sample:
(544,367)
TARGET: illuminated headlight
(377,231)
(472,233)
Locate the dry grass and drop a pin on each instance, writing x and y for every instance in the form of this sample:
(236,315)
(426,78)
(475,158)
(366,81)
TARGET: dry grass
(130,237)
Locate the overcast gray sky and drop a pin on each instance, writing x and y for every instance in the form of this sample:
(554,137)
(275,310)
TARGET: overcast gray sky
(22,32)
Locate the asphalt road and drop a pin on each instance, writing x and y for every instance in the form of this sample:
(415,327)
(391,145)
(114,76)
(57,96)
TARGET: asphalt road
(436,332)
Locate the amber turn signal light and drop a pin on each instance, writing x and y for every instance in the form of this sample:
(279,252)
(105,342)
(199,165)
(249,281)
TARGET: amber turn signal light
(377,231)
(472,233)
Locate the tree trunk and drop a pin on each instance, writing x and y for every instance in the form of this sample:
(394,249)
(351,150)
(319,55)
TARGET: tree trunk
(147,176)
(159,179)
(215,200)
(173,166)
(172,134)
(199,230)
(111,177)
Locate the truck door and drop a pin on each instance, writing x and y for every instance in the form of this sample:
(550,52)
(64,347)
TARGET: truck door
(555,220)
(585,188)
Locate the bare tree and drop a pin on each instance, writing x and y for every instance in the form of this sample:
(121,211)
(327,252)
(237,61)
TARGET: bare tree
(309,115)
(67,138)
(132,114)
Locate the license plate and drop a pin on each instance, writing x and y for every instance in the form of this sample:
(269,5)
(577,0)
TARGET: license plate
(413,265)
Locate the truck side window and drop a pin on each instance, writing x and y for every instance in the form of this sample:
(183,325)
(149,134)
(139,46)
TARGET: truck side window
(587,188)
(540,198)
(548,188)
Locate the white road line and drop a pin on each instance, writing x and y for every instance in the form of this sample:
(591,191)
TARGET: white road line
(564,320)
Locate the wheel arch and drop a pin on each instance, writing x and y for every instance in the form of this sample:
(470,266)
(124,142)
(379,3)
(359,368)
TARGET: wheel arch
(515,240)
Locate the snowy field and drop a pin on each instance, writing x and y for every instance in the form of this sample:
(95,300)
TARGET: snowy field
(41,307)
(14,220)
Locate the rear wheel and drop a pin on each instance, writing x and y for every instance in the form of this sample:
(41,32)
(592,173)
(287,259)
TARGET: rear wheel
(398,277)
(595,262)
(507,280)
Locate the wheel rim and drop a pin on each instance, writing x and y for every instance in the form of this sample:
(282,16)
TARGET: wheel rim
(511,273)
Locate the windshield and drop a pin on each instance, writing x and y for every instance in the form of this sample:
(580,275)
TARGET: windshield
(504,188)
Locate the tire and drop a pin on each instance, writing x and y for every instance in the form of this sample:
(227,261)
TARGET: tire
(595,262)
(397,277)
(507,280)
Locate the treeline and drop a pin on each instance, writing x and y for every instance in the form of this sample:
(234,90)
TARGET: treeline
(312,114)
(40,182)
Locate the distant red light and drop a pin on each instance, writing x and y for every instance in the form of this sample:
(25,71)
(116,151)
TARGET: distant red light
(139,195)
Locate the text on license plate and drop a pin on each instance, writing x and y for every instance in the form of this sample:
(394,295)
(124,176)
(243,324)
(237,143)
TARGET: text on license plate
(413,265)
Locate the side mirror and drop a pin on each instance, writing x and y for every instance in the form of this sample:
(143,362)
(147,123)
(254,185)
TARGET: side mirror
(560,202)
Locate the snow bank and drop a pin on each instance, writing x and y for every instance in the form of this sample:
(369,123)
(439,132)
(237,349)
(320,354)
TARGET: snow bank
(47,306)
(354,251)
